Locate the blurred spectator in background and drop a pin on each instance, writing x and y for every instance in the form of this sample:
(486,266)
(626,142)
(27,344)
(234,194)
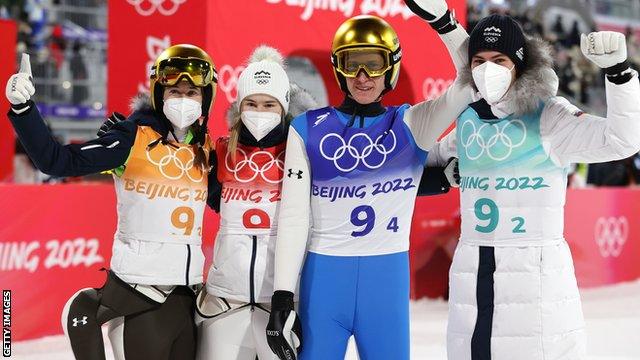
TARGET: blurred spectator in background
(633,47)
(37,18)
(558,29)
(80,92)
(573,38)
(615,173)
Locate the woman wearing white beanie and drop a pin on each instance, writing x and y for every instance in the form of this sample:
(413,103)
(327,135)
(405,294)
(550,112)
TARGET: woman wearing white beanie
(233,307)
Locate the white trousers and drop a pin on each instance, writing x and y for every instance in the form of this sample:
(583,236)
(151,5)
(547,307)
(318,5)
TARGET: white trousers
(532,311)
(239,334)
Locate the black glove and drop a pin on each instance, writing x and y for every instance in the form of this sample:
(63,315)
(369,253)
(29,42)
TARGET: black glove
(435,12)
(115,118)
(284,331)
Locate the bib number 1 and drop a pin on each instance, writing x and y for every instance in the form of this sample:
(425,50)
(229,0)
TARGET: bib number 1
(487,211)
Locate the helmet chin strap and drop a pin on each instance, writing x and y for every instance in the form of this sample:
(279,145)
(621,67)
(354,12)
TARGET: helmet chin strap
(353,108)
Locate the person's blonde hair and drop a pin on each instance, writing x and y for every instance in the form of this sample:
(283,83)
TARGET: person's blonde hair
(234,134)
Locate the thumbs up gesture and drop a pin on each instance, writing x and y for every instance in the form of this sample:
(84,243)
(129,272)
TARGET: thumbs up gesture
(20,86)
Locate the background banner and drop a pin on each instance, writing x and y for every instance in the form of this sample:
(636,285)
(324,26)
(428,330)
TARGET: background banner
(301,29)
(58,237)
(8,36)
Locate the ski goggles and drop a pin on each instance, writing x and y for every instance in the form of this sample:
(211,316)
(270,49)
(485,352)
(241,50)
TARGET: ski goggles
(199,72)
(373,61)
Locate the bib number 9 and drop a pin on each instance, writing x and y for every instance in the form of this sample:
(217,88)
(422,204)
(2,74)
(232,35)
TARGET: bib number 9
(486,210)
(183,218)
(364,215)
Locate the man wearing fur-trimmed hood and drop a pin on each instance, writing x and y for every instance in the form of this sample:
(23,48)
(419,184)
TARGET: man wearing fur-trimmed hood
(513,291)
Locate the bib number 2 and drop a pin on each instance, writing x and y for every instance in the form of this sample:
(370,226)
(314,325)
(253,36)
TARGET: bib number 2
(487,211)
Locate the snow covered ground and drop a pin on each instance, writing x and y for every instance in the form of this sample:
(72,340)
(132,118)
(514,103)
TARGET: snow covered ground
(612,315)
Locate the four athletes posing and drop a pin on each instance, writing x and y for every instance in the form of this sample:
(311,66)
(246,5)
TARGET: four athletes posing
(343,197)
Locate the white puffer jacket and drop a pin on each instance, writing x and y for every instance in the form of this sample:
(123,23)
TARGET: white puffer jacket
(513,291)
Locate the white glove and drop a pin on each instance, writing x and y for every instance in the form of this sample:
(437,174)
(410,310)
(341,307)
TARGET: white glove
(604,48)
(20,86)
(429,10)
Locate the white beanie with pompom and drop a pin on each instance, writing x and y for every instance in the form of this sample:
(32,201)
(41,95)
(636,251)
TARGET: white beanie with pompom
(265,75)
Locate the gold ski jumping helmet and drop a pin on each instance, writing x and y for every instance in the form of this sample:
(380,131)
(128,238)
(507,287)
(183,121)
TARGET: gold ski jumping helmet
(361,35)
(183,61)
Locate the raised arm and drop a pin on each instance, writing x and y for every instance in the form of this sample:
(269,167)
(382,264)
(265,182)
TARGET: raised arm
(428,119)
(571,136)
(104,153)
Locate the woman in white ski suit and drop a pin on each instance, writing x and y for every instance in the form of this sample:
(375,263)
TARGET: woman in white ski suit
(513,292)
(233,309)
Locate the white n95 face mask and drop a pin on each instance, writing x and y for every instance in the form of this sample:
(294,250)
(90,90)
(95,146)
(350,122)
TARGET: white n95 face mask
(260,123)
(182,112)
(492,80)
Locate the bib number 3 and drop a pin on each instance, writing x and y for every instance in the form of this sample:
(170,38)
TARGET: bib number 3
(486,210)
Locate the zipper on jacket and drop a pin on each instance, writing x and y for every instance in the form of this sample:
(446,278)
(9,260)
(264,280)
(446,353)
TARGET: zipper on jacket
(252,270)
(186,274)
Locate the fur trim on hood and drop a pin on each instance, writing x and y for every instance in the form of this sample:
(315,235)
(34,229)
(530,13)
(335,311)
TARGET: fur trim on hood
(141,102)
(300,101)
(538,82)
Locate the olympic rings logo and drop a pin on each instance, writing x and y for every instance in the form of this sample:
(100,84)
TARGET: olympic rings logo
(176,163)
(491,39)
(498,146)
(228,81)
(433,88)
(255,169)
(346,156)
(149,7)
(611,234)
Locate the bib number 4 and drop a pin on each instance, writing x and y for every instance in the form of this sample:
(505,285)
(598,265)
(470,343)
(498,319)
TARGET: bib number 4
(487,211)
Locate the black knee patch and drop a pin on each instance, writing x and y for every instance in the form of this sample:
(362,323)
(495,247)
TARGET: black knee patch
(90,308)
(82,326)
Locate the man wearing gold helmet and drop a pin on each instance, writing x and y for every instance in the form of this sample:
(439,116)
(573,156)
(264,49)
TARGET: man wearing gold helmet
(159,158)
(353,173)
